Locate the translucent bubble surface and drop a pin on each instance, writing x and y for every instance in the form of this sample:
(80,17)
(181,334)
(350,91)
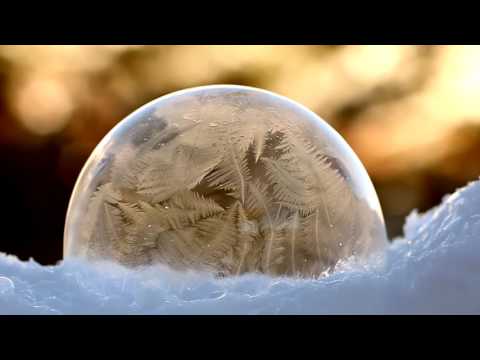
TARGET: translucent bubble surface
(227,179)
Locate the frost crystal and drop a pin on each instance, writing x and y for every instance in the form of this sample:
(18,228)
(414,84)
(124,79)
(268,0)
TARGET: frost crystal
(225,179)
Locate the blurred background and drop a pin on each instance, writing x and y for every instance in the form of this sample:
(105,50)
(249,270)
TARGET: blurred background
(411,113)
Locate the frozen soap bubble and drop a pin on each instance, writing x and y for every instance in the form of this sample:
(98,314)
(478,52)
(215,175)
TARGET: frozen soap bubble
(227,179)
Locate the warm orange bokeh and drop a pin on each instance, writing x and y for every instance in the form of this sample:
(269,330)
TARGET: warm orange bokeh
(412,113)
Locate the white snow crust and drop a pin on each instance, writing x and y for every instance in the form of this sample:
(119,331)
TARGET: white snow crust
(433,269)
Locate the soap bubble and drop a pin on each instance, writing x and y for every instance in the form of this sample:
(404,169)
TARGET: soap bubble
(225,179)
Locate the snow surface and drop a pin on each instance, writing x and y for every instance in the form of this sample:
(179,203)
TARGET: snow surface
(435,269)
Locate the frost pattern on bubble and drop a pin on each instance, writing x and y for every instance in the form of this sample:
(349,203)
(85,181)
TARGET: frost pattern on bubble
(225,179)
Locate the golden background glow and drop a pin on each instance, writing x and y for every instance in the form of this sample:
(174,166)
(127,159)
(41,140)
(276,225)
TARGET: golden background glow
(412,113)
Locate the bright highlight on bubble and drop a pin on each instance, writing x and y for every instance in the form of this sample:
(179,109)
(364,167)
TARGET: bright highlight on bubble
(225,179)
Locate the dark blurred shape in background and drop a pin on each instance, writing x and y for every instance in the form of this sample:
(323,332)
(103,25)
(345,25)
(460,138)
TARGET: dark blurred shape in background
(411,113)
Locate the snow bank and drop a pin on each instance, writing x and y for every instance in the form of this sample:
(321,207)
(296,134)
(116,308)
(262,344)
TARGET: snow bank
(434,269)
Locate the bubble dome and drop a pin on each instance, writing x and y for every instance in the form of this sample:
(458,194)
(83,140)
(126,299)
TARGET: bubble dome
(225,179)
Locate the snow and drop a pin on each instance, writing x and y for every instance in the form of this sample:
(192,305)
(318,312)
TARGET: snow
(434,269)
